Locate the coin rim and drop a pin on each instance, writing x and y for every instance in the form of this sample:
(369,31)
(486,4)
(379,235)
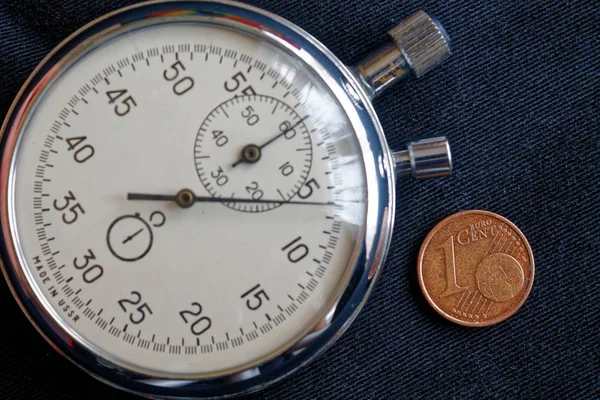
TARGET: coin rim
(443,313)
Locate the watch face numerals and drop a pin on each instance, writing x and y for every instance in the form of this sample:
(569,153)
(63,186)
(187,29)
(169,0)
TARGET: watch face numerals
(188,199)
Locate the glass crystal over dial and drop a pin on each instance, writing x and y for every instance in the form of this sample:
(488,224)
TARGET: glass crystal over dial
(128,183)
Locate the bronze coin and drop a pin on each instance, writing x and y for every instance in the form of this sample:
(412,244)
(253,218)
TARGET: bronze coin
(475,268)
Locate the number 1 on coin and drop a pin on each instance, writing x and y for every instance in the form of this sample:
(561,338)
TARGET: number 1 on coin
(450,263)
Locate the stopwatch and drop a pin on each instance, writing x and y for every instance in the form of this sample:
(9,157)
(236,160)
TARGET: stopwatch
(197,197)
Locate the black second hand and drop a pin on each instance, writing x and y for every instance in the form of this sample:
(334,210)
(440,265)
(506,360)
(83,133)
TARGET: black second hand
(199,199)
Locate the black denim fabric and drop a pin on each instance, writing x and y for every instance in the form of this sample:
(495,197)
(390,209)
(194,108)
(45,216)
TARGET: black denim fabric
(519,102)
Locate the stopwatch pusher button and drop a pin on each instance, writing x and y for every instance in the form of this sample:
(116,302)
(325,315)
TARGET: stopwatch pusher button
(427,158)
(423,42)
(419,44)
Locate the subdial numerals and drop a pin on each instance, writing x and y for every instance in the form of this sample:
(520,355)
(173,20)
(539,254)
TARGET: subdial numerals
(253,147)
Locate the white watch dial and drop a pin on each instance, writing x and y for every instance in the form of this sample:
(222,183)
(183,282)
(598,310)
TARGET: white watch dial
(216,287)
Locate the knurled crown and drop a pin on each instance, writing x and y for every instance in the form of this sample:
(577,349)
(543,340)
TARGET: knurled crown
(423,42)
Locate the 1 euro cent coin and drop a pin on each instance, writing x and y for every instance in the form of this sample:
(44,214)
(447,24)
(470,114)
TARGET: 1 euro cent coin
(475,268)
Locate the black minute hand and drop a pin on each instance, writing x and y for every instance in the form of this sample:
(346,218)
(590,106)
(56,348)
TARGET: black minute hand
(186,198)
(274,138)
(258,149)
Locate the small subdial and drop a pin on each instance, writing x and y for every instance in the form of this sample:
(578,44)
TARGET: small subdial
(255,147)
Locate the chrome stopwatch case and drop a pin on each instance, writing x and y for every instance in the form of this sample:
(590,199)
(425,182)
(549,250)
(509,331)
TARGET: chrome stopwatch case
(197,197)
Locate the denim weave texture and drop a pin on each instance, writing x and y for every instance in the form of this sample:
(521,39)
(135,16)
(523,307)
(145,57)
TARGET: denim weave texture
(519,102)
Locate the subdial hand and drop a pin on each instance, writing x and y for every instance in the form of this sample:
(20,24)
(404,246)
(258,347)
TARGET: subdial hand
(186,198)
(252,152)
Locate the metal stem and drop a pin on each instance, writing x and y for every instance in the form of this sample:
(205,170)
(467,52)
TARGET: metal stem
(419,44)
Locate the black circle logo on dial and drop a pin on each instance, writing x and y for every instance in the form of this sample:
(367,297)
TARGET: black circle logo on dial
(129,237)
(255,147)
